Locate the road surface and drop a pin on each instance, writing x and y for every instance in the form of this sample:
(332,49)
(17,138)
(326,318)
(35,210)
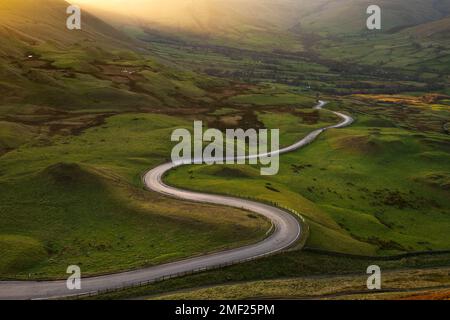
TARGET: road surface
(286,231)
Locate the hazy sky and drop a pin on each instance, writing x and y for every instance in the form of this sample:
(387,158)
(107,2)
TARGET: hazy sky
(130,4)
(161,10)
(204,14)
(138,7)
(115,2)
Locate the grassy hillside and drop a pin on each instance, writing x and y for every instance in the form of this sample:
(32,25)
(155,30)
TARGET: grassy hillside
(45,64)
(79,200)
(45,20)
(336,183)
(206,16)
(250,23)
(220,17)
(309,267)
(439,29)
(400,284)
(349,16)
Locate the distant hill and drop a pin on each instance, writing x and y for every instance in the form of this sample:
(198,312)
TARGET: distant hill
(434,29)
(37,21)
(349,16)
(201,16)
(326,16)
(43,63)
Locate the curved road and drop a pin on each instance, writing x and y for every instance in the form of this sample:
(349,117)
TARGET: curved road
(286,231)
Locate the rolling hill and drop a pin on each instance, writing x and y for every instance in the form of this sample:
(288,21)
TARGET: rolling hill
(45,64)
(287,25)
(36,22)
(349,16)
(325,16)
(435,29)
(205,16)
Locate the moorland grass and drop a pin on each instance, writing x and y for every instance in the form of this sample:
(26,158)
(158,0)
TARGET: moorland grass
(316,287)
(283,266)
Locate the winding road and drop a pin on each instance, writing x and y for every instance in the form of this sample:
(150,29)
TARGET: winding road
(286,231)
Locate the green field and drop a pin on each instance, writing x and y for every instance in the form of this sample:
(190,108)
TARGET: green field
(373,188)
(79,200)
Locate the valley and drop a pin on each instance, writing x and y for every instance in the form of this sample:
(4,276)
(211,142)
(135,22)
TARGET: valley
(84,114)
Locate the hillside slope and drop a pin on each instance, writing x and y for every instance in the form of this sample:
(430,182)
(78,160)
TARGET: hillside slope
(326,16)
(434,29)
(204,16)
(349,16)
(43,63)
(39,21)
